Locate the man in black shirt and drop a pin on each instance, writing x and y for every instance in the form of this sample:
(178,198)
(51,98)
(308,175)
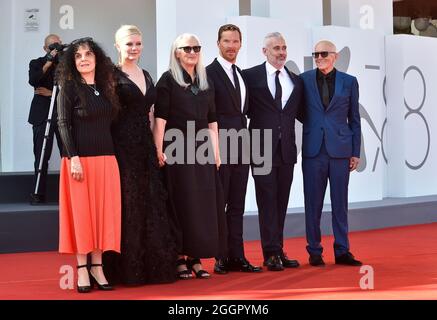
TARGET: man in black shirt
(330,150)
(41,75)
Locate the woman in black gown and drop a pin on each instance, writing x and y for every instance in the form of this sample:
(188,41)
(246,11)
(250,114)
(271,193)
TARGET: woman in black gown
(147,247)
(185,99)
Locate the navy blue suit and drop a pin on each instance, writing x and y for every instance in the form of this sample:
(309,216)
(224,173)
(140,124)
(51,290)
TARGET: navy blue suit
(273,190)
(331,136)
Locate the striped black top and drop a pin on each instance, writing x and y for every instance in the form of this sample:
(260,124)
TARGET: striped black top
(85,128)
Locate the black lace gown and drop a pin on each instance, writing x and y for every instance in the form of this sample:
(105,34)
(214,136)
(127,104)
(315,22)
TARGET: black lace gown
(148,252)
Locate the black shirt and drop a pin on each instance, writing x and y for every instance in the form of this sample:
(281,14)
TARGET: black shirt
(330,78)
(85,128)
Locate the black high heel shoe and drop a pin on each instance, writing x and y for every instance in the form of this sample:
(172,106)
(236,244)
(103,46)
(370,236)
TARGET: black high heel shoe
(201,274)
(183,274)
(83,289)
(106,286)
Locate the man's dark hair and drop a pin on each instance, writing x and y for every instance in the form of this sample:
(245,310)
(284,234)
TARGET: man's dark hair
(228,27)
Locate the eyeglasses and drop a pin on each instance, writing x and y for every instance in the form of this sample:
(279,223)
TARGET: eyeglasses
(188,49)
(323,54)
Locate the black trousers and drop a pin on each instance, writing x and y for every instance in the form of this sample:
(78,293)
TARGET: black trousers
(38,140)
(272,194)
(234,179)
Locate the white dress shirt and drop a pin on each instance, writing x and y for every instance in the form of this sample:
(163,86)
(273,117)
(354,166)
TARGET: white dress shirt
(284,78)
(227,66)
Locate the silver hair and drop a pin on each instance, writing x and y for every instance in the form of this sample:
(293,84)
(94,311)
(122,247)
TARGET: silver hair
(175,67)
(271,35)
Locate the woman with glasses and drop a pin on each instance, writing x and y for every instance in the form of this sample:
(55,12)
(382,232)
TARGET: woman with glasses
(184,107)
(147,246)
(89,193)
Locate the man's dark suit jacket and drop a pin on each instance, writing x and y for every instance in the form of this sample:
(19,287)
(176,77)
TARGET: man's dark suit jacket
(230,115)
(228,109)
(264,114)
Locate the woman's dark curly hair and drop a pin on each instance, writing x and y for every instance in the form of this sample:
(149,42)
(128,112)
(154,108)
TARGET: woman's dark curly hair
(67,73)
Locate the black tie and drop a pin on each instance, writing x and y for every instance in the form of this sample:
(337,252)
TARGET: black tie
(325,92)
(237,84)
(278,93)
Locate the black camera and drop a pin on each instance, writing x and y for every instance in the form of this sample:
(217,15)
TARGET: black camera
(58,46)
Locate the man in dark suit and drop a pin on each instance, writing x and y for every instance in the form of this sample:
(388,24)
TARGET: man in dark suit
(231,102)
(41,75)
(331,149)
(275,95)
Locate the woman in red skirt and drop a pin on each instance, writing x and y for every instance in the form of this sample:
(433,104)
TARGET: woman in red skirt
(89,195)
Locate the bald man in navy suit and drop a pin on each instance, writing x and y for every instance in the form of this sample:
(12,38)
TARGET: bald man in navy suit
(330,150)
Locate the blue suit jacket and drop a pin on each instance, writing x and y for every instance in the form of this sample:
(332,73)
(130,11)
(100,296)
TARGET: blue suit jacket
(339,123)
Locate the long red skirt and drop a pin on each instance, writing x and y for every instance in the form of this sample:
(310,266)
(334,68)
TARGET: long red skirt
(90,210)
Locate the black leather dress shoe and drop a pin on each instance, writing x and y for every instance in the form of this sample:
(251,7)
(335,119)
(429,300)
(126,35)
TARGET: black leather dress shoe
(37,199)
(316,260)
(287,263)
(274,263)
(348,259)
(242,264)
(220,266)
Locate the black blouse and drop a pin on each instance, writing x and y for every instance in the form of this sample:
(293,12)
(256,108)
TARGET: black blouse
(85,129)
(178,105)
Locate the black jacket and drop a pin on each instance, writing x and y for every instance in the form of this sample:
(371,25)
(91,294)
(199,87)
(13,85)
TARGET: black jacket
(229,114)
(40,106)
(264,114)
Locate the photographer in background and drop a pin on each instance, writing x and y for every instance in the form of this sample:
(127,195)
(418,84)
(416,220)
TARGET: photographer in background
(41,77)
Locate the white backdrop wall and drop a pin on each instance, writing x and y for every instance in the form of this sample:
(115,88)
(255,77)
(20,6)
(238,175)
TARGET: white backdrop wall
(19,47)
(6,85)
(412,114)
(308,14)
(100,20)
(175,17)
(375,15)
(411,155)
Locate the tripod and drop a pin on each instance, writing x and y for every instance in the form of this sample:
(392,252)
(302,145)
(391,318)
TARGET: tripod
(46,137)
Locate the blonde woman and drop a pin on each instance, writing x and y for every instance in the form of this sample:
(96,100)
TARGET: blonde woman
(147,247)
(185,98)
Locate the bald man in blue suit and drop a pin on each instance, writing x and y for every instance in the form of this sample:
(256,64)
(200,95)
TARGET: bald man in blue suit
(330,150)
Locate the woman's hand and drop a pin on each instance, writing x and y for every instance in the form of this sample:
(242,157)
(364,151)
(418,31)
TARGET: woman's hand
(76,169)
(218,161)
(152,117)
(161,158)
(158,136)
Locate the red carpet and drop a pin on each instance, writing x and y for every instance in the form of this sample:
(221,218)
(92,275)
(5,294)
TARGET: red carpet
(404,262)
